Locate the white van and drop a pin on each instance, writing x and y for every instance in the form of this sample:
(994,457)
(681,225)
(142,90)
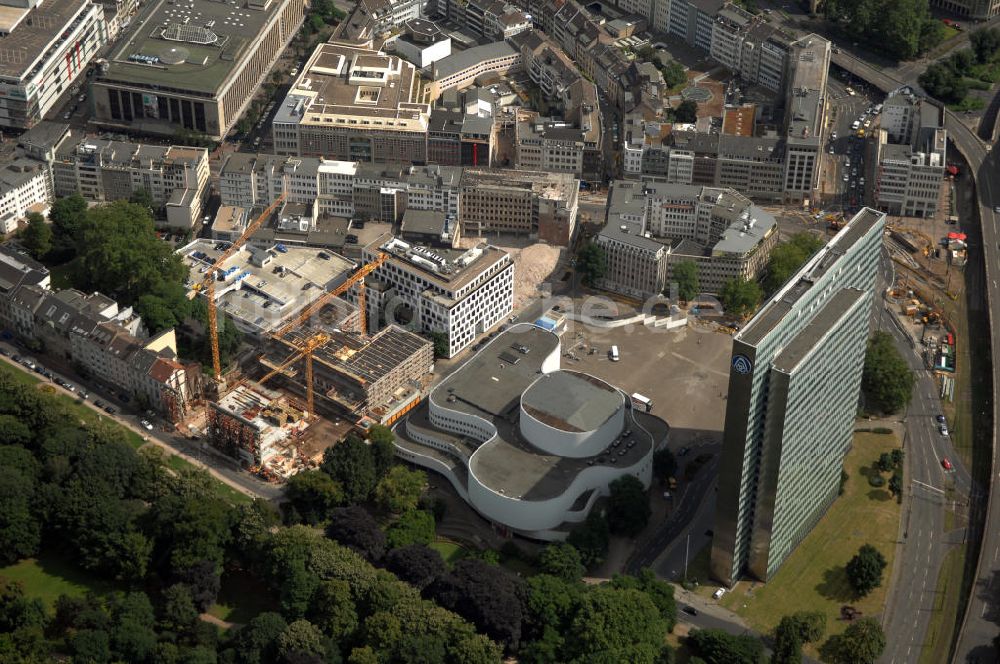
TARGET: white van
(855,125)
(613,354)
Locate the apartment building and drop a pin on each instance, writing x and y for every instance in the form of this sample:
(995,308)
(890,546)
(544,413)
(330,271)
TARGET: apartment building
(536,204)
(46,49)
(175,177)
(909,170)
(793,396)
(194,67)
(353,104)
(458,292)
(651,227)
(376,18)
(491,19)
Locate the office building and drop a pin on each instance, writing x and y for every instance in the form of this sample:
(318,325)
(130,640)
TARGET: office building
(793,394)
(460,293)
(460,70)
(46,49)
(651,227)
(805,115)
(25,186)
(528,203)
(175,177)
(354,104)
(421,43)
(377,18)
(193,66)
(910,157)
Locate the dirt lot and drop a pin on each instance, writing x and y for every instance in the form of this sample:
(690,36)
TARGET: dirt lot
(533,264)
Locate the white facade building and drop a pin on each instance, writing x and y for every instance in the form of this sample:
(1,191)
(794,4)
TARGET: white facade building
(461,293)
(542,464)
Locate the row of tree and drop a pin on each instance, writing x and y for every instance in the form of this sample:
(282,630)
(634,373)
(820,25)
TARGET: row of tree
(899,28)
(948,79)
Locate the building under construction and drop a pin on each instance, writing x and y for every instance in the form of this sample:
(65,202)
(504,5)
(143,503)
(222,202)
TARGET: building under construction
(253,424)
(377,376)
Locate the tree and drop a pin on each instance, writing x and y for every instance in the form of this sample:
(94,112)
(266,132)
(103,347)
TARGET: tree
(884,462)
(897,458)
(399,491)
(942,82)
(37,236)
(562,560)
(686,111)
(20,529)
(659,592)
(257,641)
(351,464)
(664,464)
(355,528)
(591,539)
(787,258)
(740,297)
(313,493)
(628,506)
(793,631)
(487,595)
(887,380)
(985,44)
(383,446)
(612,621)
(896,485)
(301,638)
(142,198)
(441,344)
(204,582)
(67,216)
(864,570)
(90,646)
(897,27)
(416,564)
(413,527)
(673,74)
(686,277)
(591,263)
(179,612)
(861,643)
(718,647)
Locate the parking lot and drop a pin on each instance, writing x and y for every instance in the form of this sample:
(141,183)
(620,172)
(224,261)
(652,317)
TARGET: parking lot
(685,372)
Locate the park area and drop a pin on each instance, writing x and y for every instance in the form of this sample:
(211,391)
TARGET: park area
(814,578)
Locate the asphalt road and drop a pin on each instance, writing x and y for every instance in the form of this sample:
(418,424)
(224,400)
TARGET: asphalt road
(982,616)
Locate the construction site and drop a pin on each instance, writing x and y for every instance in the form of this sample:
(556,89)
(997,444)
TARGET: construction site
(316,356)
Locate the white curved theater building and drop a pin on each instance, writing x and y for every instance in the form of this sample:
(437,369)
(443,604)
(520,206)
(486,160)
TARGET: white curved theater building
(528,445)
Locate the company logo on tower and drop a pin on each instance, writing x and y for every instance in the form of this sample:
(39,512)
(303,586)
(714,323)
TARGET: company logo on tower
(742,364)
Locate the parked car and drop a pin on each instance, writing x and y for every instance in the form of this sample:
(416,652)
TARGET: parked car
(146,425)
(940,419)
(719,593)
(109,410)
(945,463)
(690,610)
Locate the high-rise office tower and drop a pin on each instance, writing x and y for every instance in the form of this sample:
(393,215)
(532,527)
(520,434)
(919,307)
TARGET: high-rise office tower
(793,394)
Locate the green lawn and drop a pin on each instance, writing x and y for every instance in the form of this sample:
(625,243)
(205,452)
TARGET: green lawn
(241,598)
(49,576)
(59,275)
(813,577)
(224,491)
(450,551)
(968,104)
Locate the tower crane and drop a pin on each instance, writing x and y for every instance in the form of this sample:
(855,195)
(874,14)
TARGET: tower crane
(210,278)
(304,350)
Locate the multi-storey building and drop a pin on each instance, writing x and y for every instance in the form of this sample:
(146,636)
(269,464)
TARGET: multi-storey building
(46,48)
(909,170)
(805,114)
(421,43)
(25,186)
(652,227)
(375,18)
(490,19)
(793,395)
(459,293)
(192,67)
(175,177)
(354,104)
(536,204)
(460,70)
(979,10)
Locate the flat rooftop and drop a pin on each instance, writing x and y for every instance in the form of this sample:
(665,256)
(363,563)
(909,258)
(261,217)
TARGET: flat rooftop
(261,296)
(349,81)
(28,42)
(490,386)
(199,43)
(448,269)
(783,302)
(571,401)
